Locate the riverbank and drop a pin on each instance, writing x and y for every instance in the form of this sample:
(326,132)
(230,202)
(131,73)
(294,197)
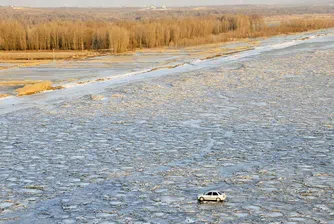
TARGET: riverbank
(75,78)
(107,68)
(18,59)
(175,57)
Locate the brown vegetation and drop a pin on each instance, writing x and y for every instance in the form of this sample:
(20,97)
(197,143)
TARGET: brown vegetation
(18,82)
(122,36)
(35,88)
(28,56)
(128,35)
(3,95)
(43,15)
(121,30)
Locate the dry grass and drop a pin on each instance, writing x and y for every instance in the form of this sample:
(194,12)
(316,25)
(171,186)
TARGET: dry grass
(278,19)
(35,88)
(4,95)
(26,57)
(21,63)
(97,97)
(227,52)
(18,82)
(18,59)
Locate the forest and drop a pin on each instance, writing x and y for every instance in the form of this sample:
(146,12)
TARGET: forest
(119,36)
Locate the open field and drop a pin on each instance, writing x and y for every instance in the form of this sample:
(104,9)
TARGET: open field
(259,128)
(117,14)
(278,19)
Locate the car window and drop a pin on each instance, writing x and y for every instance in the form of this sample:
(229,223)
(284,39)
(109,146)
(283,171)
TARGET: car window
(215,193)
(209,193)
(219,193)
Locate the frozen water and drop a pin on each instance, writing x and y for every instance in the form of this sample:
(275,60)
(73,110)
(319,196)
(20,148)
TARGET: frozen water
(245,127)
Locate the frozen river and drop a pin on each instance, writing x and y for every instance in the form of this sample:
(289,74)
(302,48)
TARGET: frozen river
(139,146)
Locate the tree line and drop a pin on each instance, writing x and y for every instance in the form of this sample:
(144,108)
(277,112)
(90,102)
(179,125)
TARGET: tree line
(121,36)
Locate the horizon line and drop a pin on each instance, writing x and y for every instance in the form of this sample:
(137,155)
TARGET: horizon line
(169,6)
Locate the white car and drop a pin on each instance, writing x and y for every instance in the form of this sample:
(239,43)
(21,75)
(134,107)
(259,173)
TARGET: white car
(212,196)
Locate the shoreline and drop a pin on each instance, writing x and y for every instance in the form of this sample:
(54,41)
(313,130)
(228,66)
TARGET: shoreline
(19,59)
(80,55)
(202,53)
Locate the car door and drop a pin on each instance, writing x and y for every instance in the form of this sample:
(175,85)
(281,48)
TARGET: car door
(214,196)
(208,196)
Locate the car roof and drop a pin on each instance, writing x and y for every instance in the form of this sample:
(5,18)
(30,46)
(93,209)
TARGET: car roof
(211,191)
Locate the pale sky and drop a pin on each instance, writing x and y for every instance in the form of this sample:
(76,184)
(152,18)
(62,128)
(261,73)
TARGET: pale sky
(117,3)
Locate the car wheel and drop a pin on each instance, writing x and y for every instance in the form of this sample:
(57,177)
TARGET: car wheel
(201,199)
(218,200)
